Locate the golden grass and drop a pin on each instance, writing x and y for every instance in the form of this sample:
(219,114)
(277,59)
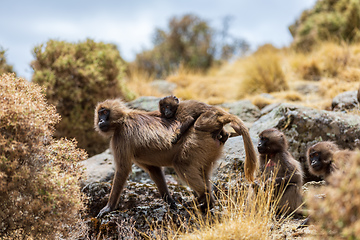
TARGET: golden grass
(329,88)
(240,219)
(263,73)
(213,89)
(335,69)
(139,82)
(337,66)
(291,96)
(240,214)
(305,66)
(261,101)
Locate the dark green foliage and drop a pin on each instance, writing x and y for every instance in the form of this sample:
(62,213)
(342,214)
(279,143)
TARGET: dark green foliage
(76,77)
(4,67)
(329,20)
(189,42)
(39,191)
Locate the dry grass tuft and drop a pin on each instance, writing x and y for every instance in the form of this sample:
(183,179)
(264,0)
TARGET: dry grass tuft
(261,101)
(139,82)
(242,213)
(350,74)
(332,58)
(263,73)
(210,89)
(331,87)
(291,96)
(306,67)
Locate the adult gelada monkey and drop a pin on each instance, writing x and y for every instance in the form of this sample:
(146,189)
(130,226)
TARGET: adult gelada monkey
(324,158)
(212,121)
(145,139)
(209,119)
(278,165)
(187,112)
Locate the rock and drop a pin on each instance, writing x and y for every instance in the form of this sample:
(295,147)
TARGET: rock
(140,207)
(313,184)
(345,101)
(307,88)
(231,164)
(147,103)
(163,86)
(98,194)
(269,108)
(267,95)
(99,168)
(244,109)
(304,127)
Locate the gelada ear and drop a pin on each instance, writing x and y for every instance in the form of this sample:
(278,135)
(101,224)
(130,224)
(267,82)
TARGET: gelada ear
(176,99)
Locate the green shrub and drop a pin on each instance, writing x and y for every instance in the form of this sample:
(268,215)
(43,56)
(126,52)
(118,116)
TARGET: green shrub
(189,42)
(336,214)
(39,191)
(4,67)
(328,20)
(263,73)
(76,77)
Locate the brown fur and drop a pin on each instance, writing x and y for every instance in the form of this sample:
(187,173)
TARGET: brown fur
(324,158)
(211,121)
(278,165)
(145,139)
(187,112)
(358,96)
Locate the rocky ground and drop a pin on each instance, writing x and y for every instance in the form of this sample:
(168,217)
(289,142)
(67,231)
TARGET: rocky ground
(141,208)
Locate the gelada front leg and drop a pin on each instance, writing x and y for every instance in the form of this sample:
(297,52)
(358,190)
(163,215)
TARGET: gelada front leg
(117,187)
(157,175)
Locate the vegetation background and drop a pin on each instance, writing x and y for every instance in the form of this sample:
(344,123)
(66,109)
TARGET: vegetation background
(324,55)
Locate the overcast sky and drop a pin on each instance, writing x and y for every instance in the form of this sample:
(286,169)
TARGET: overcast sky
(130,24)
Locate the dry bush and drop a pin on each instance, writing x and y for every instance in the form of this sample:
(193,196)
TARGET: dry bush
(306,66)
(261,101)
(354,60)
(331,87)
(332,58)
(336,212)
(211,89)
(328,59)
(263,73)
(77,76)
(291,96)
(350,74)
(39,192)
